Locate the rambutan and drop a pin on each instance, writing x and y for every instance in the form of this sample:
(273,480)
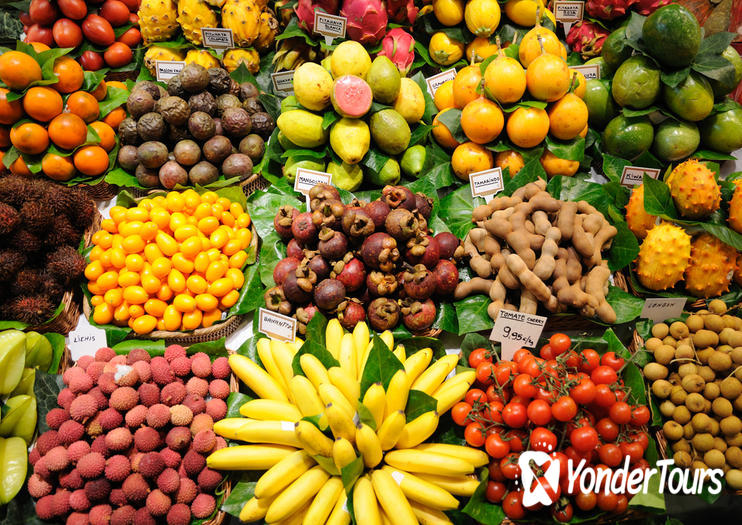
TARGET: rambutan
(203,506)
(9,218)
(91,465)
(10,262)
(158,503)
(97,489)
(27,282)
(83,210)
(36,215)
(79,501)
(135,487)
(62,233)
(31,309)
(25,241)
(65,264)
(146,439)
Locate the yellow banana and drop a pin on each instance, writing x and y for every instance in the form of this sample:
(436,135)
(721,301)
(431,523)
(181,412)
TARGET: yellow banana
(229,428)
(416,363)
(343,453)
(391,429)
(388,338)
(478,458)
(247,457)
(375,400)
(435,374)
(265,352)
(456,485)
(368,445)
(329,393)
(295,518)
(313,440)
(418,430)
(270,410)
(453,390)
(314,370)
(276,432)
(340,514)
(280,475)
(392,499)
(400,353)
(384,518)
(333,335)
(417,489)
(397,393)
(467,376)
(348,385)
(256,379)
(427,516)
(323,502)
(255,509)
(340,424)
(348,356)
(412,460)
(297,494)
(306,396)
(283,355)
(365,506)
(360,344)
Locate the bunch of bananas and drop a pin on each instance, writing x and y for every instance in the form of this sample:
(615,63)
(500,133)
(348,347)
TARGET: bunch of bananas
(291,53)
(309,430)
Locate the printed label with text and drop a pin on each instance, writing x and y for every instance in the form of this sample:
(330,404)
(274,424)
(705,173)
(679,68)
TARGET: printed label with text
(276,326)
(217,37)
(568,11)
(283,82)
(514,330)
(308,179)
(589,71)
(167,69)
(486,183)
(660,308)
(437,81)
(634,175)
(329,26)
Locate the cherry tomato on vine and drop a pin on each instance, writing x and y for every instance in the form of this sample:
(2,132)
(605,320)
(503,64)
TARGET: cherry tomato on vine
(610,454)
(459,413)
(564,409)
(552,492)
(475,396)
(485,373)
(622,503)
(562,460)
(474,435)
(509,466)
(479,356)
(607,429)
(590,360)
(612,360)
(586,500)
(633,450)
(620,412)
(584,439)
(539,412)
(496,447)
(495,491)
(560,343)
(604,375)
(494,411)
(639,415)
(531,366)
(641,438)
(514,415)
(512,505)
(572,359)
(495,471)
(583,392)
(543,439)
(546,352)
(523,386)
(494,395)
(516,438)
(504,371)
(607,502)
(604,396)
(521,354)
(563,512)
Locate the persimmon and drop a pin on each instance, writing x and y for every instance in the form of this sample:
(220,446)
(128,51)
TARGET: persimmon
(42,103)
(19,168)
(84,105)
(57,167)
(115,117)
(29,138)
(18,70)
(39,47)
(10,112)
(70,75)
(68,131)
(91,160)
(106,134)
(100,91)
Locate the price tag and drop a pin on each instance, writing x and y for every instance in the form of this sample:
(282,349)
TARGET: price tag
(308,179)
(217,37)
(283,82)
(436,81)
(514,330)
(660,308)
(276,326)
(329,26)
(634,175)
(589,71)
(167,69)
(567,11)
(85,339)
(486,183)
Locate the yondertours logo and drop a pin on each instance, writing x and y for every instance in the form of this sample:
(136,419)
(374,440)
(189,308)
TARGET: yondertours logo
(540,476)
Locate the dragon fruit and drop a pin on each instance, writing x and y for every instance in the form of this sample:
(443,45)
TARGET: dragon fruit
(647,7)
(399,47)
(305,11)
(608,9)
(587,38)
(404,11)
(366,20)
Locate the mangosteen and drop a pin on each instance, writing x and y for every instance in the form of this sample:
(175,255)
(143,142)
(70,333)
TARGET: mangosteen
(419,282)
(357,224)
(252,105)
(329,293)
(283,219)
(248,90)
(399,197)
(147,177)
(174,110)
(201,125)
(319,266)
(381,284)
(172,174)
(152,154)
(127,131)
(423,204)
(294,249)
(401,224)
(263,124)
(418,316)
(225,101)
(203,173)
(350,313)
(383,314)
(253,146)
(276,300)
(127,158)
(283,268)
(332,244)
(237,165)
(217,148)
(423,249)
(379,251)
(446,277)
(187,153)
(378,211)
(329,213)
(304,315)
(140,101)
(447,243)
(352,274)
(151,126)
(219,80)
(204,102)
(293,292)
(236,122)
(306,277)
(303,229)
(320,193)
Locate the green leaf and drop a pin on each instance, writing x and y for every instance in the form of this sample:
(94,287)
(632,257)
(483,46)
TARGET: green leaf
(374,160)
(652,500)
(251,293)
(472,314)
(624,247)
(456,210)
(153,347)
(626,306)
(706,154)
(58,343)
(628,112)
(46,389)
(716,44)
(445,318)
(530,172)
(239,495)
(674,78)
(328,464)
(242,74)
(570,150)
(657,199)
(272,251)
(714,66)
(451,119)
(234,401)
(380,365)
(329,118)
(263,205)
(350,473)
(430,108)
(418,403)
(365,416)
(270,103)
(316,329)
(317,350)
(482,510)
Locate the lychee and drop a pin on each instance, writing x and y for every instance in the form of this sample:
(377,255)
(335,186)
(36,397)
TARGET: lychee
(135,487)
(173,352)
(179,514)
(110,418)
(79,501)
(70,431)
(77,450)
(201,422)
(149,394)
(55,417)
(158,503)
(71,480)
(209,479)
(57,459)
(91,465)
(143,371)
(187,491)
(162,374)
(124,398)
(65,398)
(216,408)
(193,463)
(181,366)
(197,385)
(117,468)
(168,481)
(97,489)
(123,515)
(172,459)
(158,415)
(38,488)
(47,441)
(181,415)
(204,441)
(196,403)
(146,439)
(100,515)
(172,394)
(201,365)
(83,407)
(137,354)
(104,354)
(151,465)
(220,368)
(118,439)
(136,416)
(203,506)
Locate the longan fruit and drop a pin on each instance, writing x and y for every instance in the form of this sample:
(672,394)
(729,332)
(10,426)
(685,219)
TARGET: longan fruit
(669,341)
(661,388)
(694,322)
(726,349)
(714,458)
(735,338)
(701,422)
(683,351)
(730,425)
(679,330)
(664,354)
(682,458)
(652,344)
(734,441)
(730,321)
(731,388)
(672,430)
(695,402)
(733,478)
(725,335)
(721,407)
(688,431)
(738,404)
(733,456)
(655,371)
(687,369)
(719,361)
(718,306)
(706,373)
(681,414)
(714,427)
(660,330)
(705,338)
(703,442)
(678,395)
(713,322)
(736,354)
(667,407)
(681,444)
(703,354)
(720,444)
(711,391)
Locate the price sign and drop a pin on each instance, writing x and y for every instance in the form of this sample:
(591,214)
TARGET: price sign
(514,330)
(167,69)
(329,26)
(486,183)
(85,339)
(276,326)
(660,308)
(283,82)
(634,175)
(308,179)
(567,11)
(436,81)
(217,37)
(589,71)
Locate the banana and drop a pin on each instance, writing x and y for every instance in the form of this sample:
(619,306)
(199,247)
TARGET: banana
(413,460)
(340,514)
(392,499)
(427,516)
(456,485)
(368,445)
(397,393)
(283,473)
(365,506)
(298,342)
(306,396)
(363,358)
(348,385)
(270,410)
(255,509)
(453,390)
(314,370)
(342,426)
(360,343)
(435,374)
(229,428)
(391,429)
(388,338)
(323,502)
(256,379)
(347,356)
(478,458)
(400,353)
(247,457)
(295,518)
(418,430)
(265,352)
(375,400)
(416,363)
(276,432)
(425,492)
(333,335)
(297,494)
(284,357)
(329,393)
(313,440)
(343,453)
(384,518)
(467,376)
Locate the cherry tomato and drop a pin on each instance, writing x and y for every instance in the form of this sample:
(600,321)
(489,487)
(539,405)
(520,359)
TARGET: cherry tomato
(583,392)
(494,411)
(562,459)
(475,397)
(584,439)
(639,415)
(552,492)
(543,439)
(514,415)
(474,435)
(460,412)
(523,386)
(586,500)
(604,396)
(546,395)
(509,466)
(513,505)
(495,471)
(633,450)
(531,366)
(560,343)
(641,438)
(485,373)
(546,352)
(612,360)
(564,409)
(563,512)
(572,359)
(603,375)
(622,503)
(607,502)
(620,412)
(67,33)
(607,429)
(504,372)
(521,354)
(539,412)
(610,454)
(495,491)
(494,395)
(517,439)
(590,360)
(496,447)
(576,456)
(478,356)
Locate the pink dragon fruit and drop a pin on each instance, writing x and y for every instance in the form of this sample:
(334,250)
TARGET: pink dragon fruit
(399,47)
(647,7)
(402,11)
(586,38)
(608,9)
(305,11)
(366,20)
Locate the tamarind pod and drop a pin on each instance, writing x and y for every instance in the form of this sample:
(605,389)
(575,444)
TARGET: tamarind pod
(574,266)
(520,243)
(503,273)
(347,385)
(541,222)
(314,369)
(566,219)
(497,291)
(348,356)
(602,238)
(417,362)
(595,286)
(333,336)
(545,265)
(493,310)
(528,303)
(472,286)
(498,227)
(527,278)
(581,240)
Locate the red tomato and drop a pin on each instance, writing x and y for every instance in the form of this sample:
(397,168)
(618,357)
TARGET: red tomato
(560,343)
(583,392)
(620,412)
(98,30)
(546,352)
(494,411)
(639,416)
(612,360)
(496,447)
(572,359)
(607,429)
(494,395)
(509,466)
(478,356)
(641,438)
(590,360)
(622,503)
(563,461)
(42,12)
(74,9)
(504,372)
(25,19)
(604,396)
(543,439)
(610,454)
(495,471)
(584,439)
(91,61)
(586,500)
(523,386)
(530,366)
(67,33)
(514,415)
(115,12)
(517,439)
(495,491)
(539,412)
(513,505)
(475,396)
(131,37)
(521,354)
(474,434)
(485,373)
(564,409)
(563,512)
(607,502)
(36,33)
(633,450)
(604,375)
(460,412)
(552,492)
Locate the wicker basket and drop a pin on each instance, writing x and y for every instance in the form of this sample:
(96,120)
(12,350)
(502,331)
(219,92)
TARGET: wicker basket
(122,76)
(254,183)
(101,191)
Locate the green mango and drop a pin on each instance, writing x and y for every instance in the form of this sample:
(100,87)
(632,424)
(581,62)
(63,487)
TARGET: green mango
(389,174)
(290,103)
(302,128)
(13,465)
(293,164)
(38,351)
(345,176)
(285,143)
(25,385)
(19,417)
(12,359)
(413,161)
(391,131)
(350,139)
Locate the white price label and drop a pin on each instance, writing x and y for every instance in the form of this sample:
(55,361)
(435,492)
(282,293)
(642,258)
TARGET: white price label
(634,175)
(329,26)
(486,183)
(283,82)
(85,339)
(660,308)
(308,179)
(277,326)
(589,71)
(567,11)
(217,37)
(437,81)
(514,330)
(167,69)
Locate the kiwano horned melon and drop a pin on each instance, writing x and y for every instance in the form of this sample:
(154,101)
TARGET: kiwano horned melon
(157,21)
(637,218)
(738,270)
(711,266)
(735,208)
(694,189)
(663,256)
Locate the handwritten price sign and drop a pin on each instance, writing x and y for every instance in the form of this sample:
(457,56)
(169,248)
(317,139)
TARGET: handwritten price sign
(514,330)
(660,308)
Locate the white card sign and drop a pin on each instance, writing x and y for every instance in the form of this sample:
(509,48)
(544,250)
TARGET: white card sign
(329,26)
(589,71)
(167,69)
(634,175)
(308,179)
(437,81)
(515,330)
(486,183)
(217,37)
(85,339)
(276,326)
(567,11)
(660,308)
(283,82)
